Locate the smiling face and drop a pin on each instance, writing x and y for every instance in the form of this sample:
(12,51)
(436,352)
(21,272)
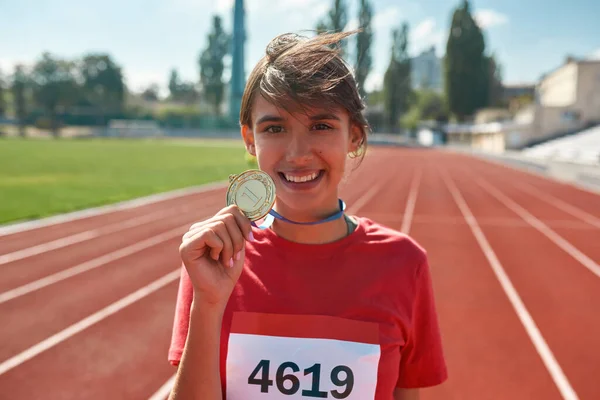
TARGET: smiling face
(305,153)
(301,115)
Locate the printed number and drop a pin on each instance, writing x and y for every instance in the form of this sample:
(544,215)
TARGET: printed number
(348,382)
(264,382)
(314,391)
(289,384)
(281,378)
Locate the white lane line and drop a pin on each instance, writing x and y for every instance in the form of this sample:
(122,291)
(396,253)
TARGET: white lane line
(561,381)
(88,321)
(87,235)
(541,227)
(124,205)
(410,203)
(496,222)
(560,204)
(164,391)
(91,264)
(363,200)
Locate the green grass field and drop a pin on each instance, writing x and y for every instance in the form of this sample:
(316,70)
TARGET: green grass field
(42,177)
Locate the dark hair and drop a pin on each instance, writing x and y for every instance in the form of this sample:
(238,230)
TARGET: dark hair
(299,72)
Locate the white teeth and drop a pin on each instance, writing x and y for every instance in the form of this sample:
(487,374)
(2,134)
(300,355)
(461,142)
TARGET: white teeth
(301,178)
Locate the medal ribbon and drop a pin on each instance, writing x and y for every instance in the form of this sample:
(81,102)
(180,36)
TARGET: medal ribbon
(274,214)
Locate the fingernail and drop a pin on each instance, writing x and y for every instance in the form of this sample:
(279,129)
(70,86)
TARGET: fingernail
(238,255)
(231,263)
(251,236)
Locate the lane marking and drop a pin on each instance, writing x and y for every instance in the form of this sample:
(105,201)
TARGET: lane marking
(91,264)
(88,321)
(522,169)
(496,222)
(561,381)
(560,204)
(124,205)
(363,200)
(87,235)
(541,227)
(164,391)
(410,203)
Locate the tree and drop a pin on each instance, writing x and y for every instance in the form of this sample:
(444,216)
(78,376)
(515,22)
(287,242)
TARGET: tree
(495,82)
(54,87)
(151,93)
(187,93)
(2,101)
(397,79)
(103,85)
(321,27)
(182,91)
(428,106)
(174,83)
(212,65)
(19,85)
(364,38)
(335,21)
(466,69)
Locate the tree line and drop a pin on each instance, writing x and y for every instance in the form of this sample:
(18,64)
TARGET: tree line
(91,90)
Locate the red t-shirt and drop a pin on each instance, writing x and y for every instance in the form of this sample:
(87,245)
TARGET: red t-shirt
(352,319)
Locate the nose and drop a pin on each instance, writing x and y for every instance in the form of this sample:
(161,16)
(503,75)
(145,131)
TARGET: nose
(299,148)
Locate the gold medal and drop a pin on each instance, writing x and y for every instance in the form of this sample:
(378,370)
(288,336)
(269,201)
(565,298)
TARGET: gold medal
(253,191)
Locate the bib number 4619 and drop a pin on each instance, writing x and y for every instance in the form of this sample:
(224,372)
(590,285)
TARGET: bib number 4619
(289,384)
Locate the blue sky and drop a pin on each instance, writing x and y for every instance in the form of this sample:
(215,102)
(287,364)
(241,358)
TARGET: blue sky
(149,37)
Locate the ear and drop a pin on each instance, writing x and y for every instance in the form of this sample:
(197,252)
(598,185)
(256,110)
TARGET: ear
(248,136)
(356,138)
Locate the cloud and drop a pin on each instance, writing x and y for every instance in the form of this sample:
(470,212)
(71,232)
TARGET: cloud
(595,55)
(7,65)
(489,18)
(425,35)
(224,6)
(142,78)
(351,25)
(387,18)
(374,81)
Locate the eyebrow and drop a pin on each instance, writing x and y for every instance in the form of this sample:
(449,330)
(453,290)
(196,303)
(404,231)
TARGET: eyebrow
(324,116)
(317,117)
(269,118)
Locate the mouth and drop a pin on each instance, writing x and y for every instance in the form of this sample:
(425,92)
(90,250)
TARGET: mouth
(302,180)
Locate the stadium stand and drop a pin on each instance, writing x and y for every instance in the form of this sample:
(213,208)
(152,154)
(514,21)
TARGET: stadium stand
(582,147)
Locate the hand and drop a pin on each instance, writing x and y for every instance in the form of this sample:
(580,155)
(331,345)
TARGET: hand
(213,253)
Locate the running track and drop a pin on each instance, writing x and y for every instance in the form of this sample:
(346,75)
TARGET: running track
(86,306)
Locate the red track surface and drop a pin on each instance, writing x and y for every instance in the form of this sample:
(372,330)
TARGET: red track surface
(515,274)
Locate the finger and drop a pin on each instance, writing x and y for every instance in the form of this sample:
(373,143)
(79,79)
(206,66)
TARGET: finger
(243,222)
(196,246)
(227,252)
(235,233)
(238,259)
(194,231)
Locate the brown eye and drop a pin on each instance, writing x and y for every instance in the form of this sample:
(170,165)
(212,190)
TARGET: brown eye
(274,129)
(321,127)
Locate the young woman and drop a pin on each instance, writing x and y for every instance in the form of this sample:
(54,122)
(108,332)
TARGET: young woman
(319,304)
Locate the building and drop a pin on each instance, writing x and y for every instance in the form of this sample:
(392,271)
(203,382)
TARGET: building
(517,90)
(426,71)
(567,99)
(487,137)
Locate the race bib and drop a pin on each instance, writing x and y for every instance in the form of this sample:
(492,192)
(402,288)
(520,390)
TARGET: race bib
(272,356)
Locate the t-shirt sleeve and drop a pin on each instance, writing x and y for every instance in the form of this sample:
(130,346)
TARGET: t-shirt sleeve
(422,359)
(181,322)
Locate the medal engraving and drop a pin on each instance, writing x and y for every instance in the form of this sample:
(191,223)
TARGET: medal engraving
(253,192)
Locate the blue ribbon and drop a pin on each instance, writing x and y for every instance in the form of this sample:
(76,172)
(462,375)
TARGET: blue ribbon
(274,214)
